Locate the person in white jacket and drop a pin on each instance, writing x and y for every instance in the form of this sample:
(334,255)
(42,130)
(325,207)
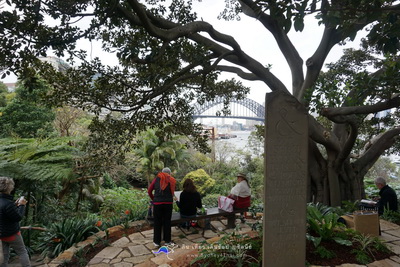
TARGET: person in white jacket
(241,192)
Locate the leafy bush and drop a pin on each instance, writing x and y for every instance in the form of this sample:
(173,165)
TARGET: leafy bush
(325,253)
(210,200)
(256,206)
(323,224)
(201,179)
(349,206)
(366,245)
(62,235)
(391,216)
(119,200)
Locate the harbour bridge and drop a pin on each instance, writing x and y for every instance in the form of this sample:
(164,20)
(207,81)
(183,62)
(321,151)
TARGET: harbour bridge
(240,109)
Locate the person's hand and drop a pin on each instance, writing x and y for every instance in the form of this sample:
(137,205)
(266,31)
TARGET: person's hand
(21,201)
(175,198)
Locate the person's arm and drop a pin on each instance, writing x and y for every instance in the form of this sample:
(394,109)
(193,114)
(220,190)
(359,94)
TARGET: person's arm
(151,188)
(382,203)
(15,213)
(235,191)
(181,198)
(199,204)
(234,197)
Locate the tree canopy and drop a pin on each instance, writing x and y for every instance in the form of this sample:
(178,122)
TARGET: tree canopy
(169,58)
(26,115)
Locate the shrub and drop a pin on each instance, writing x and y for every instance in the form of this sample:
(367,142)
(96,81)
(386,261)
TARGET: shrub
(210,200)
(201,179)
(119,200)
(62,235)
(323,224)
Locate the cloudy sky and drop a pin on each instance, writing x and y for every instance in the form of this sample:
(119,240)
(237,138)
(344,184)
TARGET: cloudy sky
(254,39)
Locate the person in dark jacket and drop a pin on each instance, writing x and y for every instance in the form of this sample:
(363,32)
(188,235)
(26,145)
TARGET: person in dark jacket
(189,199)
(388,197)
(164,187)
(11,213)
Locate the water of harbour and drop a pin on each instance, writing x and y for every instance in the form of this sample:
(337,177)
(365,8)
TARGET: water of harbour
(239,142)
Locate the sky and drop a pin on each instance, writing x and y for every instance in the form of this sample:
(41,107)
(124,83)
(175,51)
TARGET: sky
(254,39)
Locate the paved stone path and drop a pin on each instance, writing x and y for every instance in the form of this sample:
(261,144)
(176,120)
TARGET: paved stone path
(138,250)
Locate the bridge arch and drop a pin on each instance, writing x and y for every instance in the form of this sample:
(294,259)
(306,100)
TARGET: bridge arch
(253,106)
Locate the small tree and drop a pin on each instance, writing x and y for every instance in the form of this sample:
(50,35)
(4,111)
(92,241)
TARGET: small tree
(201,180)
(156,151)
(3,92)
(26,115)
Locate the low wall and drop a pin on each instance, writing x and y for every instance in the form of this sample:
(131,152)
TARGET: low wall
(68,254)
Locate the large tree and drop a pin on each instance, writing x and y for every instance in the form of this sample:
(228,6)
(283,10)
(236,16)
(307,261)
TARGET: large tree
(170,58)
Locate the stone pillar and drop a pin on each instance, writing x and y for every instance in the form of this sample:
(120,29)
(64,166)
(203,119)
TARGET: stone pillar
(285,183)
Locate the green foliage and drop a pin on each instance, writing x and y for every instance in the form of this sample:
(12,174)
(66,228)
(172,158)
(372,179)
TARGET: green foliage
(366,245)
(156,151)
(371,190)
(3,92)
(325,253)
(385,168)
(350,206)
(222,185)
(62,235)
(210,200)
(26,116)
(361,256)
(323,225)
(201,180)
(256,206)
(40,160)
(391,216)
(119,200)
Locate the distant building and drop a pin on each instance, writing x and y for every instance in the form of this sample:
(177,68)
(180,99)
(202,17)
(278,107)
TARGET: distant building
(56,62)
(11,86)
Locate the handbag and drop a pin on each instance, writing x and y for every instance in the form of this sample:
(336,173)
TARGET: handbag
(225,203)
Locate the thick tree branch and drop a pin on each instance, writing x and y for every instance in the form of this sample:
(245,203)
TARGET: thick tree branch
(378,146)
(322,136)
(331,37)
(167,30)
(245,75)
(349,144)
(314,64)
(334,113)
(290,53)
(146,18)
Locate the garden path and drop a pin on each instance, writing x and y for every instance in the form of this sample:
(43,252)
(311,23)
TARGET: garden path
(138,250)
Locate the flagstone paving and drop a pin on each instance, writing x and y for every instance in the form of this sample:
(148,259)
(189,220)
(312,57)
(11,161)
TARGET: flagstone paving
(138,249)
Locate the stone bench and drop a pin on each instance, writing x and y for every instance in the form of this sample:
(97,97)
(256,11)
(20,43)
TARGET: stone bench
(176,218)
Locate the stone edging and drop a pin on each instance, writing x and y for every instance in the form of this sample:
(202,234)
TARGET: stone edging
(68,254)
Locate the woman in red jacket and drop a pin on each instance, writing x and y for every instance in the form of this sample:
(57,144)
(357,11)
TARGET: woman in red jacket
(164,187)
